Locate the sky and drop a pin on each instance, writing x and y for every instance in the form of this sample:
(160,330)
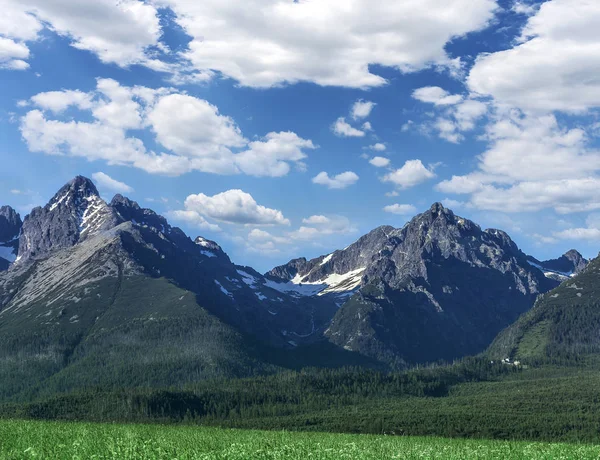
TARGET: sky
(283,129)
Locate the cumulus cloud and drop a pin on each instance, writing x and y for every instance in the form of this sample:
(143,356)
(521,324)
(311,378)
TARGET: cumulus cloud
(320,225)
(412,173)
(272,155)
(436,95)
(197,136)
(578,234)
(590,232)
(343,129)
(59,101)
(340,181)
(401,209)
(13,54)
(362,109)
(124,33)
(276,42)
(532,163)
(379,162)
(378,147)
(234,207)
(194,219)
(105,182)
(555,65)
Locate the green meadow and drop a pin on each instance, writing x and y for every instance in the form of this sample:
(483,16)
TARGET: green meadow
(75,440)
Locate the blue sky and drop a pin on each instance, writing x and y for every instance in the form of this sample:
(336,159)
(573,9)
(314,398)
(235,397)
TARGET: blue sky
(284,129)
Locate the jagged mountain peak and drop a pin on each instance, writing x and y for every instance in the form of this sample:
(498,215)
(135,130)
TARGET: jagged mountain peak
(74,213)
(120,200)
(130,210)
(73,192)
(10,224)
(579,262)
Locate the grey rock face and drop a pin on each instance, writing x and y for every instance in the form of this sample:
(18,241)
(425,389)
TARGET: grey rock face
(437,288)
(75,213)
(10,224)
(10,227)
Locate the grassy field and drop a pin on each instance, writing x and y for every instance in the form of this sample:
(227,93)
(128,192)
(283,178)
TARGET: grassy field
(61,440)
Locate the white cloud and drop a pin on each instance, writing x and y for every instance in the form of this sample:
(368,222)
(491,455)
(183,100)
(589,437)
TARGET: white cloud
(272,155)
(531,164)
(412,173)
(316,219)
(543,239)
(340,181)
(455,115)
(523,8)
(362,109)
(436,95)
(272,42)
(106,182)
(380,162)
(378,147)
(367,126)
(343,129)
(261,236)
(198,136)
(392,194)
(578,234)
(555,67)
(194,219)
(320,226)
(117,32)
(194,128)
(59,101)
(13,54)
(591,232)
(452,204)
(234,207)
(401,209)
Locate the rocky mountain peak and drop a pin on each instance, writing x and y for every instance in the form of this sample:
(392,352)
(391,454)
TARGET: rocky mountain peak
(578,261)
(75,213)
(130,210)
(10,224)
(123,202)
(566,266)
(74,193)
(208,245)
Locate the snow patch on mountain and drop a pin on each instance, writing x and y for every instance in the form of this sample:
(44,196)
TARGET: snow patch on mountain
(552,273)
(334,283)
(223,290)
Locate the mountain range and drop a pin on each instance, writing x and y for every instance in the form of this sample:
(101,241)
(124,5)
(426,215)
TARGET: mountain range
(110,294)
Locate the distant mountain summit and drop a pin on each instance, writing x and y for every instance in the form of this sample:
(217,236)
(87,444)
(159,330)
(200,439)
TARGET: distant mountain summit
(10,227)
(568,265)
(439,287)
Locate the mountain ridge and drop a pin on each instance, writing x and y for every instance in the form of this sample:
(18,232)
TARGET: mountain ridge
(437,288)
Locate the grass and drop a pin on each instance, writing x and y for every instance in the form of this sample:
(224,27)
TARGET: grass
(64,440)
